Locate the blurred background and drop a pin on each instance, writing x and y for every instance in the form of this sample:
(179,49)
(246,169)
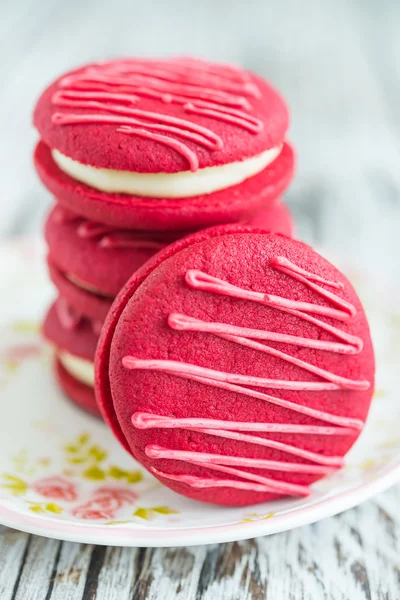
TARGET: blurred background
(336,62)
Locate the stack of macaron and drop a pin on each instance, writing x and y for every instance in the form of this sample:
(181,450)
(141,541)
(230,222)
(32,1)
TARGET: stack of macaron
(232,361)
(138,154)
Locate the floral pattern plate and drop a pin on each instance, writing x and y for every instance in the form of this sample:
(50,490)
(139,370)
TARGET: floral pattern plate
(63,475)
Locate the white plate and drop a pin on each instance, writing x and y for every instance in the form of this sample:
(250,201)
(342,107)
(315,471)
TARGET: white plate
(62,475)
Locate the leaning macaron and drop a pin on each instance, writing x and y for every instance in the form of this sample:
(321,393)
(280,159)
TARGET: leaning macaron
(162,144)
(236,366)
(74,338)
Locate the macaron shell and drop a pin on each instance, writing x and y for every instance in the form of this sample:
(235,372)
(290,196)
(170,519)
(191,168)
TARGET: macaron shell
(105,267)
(80,340)
(82,395)
(133,212)
(277,219)
(93,306)
(102,360)
(102,145)
(242,260)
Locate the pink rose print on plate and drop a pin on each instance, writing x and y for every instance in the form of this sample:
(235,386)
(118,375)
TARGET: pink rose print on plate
(117,496)
(87,512)
(104,504)
(56,487)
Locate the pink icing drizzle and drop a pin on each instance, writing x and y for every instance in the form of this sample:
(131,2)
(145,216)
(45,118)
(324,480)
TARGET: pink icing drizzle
(115,238)
(338,425)
(116,87)
(70,318)
(108,237)
(67,315)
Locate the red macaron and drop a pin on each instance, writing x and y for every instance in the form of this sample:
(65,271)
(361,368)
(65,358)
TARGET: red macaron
(237,366)
(102,258)
(216,113)
(123,211)
(163,117)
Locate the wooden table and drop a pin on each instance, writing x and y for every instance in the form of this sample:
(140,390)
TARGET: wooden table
(337,64)
(354,556)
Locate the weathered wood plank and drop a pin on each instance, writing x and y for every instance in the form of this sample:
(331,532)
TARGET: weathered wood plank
(13,545)
(36,572)
(70,572)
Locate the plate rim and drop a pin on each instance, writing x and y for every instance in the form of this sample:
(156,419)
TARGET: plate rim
(153,538)
(139,536)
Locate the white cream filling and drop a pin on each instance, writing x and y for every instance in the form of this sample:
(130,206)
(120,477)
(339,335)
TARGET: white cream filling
(80,368)
(166,185)
(86,286)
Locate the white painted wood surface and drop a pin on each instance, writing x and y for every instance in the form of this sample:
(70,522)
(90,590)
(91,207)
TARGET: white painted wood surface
(337,63)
